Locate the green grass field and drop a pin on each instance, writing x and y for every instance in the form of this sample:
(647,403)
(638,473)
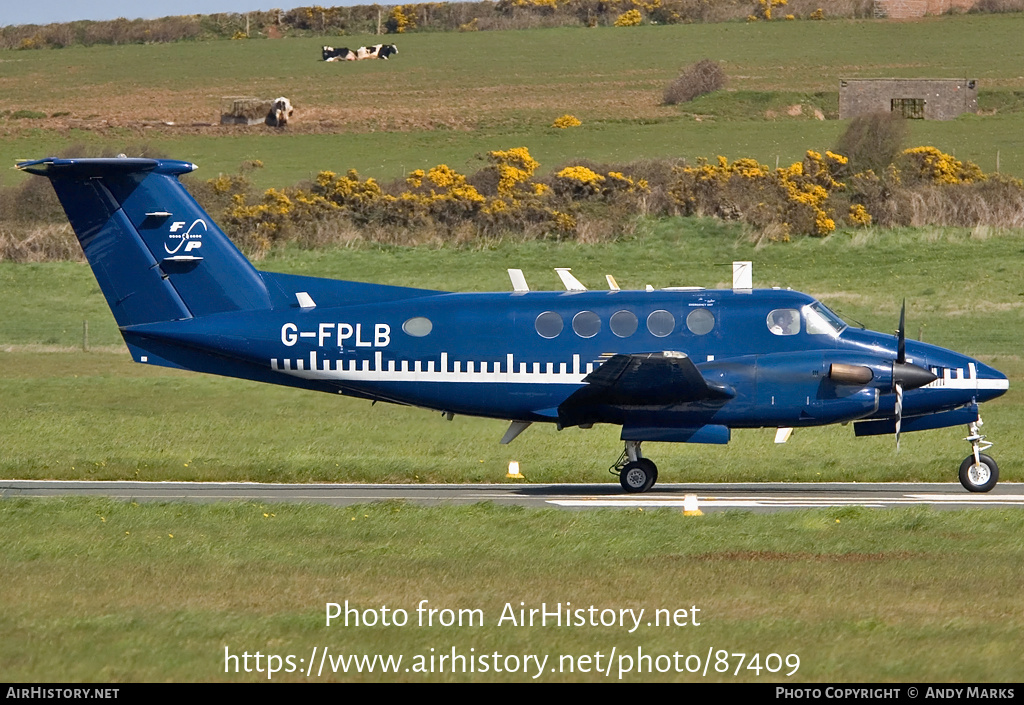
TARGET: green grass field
(95,590)
(450,98)
(157,592)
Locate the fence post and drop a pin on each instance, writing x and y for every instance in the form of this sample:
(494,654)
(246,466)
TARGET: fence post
(85,336)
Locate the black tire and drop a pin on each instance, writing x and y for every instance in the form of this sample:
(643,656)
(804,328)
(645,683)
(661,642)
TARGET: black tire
(638,476)
(979,478)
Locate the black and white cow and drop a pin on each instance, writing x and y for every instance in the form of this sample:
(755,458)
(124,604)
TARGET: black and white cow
(342,54)
(377,51)
(280,112)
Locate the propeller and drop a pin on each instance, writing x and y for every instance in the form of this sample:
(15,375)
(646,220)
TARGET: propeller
(901,359)
(899,414)
(901,336)
(905,375)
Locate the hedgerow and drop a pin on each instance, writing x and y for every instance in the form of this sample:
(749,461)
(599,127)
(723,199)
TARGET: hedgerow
(582,201)
(428,16)
(589,201)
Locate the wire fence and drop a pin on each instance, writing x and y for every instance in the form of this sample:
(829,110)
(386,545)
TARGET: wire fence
(82,334)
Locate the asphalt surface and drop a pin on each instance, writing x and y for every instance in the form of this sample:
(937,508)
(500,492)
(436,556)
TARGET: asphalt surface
(761,497)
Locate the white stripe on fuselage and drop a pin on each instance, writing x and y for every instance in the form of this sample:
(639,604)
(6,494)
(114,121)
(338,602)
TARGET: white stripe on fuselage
(955,379)
(376,370)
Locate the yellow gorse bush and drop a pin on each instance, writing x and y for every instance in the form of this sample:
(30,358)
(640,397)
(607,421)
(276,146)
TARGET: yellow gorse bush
(806,197)
(930,164)
(796,196)
(515,166)
(401,19)
(566,121)
(440,195)
(629,18)
(859,215)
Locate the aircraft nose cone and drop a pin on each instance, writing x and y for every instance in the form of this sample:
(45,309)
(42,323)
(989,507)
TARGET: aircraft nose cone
(991,382)
(911,376)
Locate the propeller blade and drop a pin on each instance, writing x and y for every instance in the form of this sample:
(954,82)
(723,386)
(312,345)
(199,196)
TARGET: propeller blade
(899,414)
(901,336)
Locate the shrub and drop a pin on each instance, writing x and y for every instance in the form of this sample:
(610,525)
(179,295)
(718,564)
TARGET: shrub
(629,18)
(763,10)
(401,20)
(930,165)
(872,141)
(703,77)
(566,121)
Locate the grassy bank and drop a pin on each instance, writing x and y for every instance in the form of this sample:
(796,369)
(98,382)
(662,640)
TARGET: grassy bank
(158,591)
(450,97)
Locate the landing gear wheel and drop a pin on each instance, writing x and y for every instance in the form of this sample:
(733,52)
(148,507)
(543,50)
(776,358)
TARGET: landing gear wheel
(977,477)
(638,476)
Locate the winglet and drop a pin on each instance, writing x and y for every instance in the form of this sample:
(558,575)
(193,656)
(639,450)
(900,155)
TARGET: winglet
(571,283)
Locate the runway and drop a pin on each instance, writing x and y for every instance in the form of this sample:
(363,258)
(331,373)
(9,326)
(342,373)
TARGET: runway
(757,497)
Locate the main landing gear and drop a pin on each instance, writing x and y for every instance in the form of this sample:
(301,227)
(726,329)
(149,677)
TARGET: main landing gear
(636,473)
(978,472)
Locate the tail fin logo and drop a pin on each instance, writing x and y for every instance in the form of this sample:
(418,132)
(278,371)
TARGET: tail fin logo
(193,236)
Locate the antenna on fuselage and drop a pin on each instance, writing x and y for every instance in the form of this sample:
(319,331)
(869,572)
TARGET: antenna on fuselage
(518,280)
(571,283)
(742,275)
(612,284)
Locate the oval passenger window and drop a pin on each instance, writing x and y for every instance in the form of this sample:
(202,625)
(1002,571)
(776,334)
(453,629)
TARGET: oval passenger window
(418,327)
(548,324)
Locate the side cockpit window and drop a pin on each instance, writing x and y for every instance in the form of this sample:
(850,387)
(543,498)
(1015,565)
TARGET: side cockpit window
(784,321)
(821,321)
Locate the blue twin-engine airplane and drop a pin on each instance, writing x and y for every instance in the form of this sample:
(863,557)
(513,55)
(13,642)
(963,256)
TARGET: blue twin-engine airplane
(682,365)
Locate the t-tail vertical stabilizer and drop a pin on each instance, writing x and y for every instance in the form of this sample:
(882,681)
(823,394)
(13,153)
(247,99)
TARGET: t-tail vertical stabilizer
(155,252)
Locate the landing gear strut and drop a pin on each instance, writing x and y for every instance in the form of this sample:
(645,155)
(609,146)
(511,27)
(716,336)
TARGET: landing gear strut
(978,472)
(636,473)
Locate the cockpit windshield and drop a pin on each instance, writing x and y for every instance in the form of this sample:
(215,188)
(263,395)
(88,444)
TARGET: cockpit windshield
(821,321)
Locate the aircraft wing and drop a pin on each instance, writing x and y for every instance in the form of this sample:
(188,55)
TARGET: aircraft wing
(641,380)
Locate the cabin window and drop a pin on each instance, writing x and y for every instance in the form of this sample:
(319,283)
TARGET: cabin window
(661,323)
(700,321)
(623,323)
(549,324)
(587,324)
(418,327)
(784,321)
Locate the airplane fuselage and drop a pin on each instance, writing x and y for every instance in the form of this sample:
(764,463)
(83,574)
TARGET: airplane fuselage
(490,354)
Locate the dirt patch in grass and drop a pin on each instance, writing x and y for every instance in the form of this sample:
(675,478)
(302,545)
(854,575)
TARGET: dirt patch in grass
(398,106)
(806,556)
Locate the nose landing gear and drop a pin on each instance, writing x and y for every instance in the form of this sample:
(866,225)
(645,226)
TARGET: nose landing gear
(978,472)
(636,473)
